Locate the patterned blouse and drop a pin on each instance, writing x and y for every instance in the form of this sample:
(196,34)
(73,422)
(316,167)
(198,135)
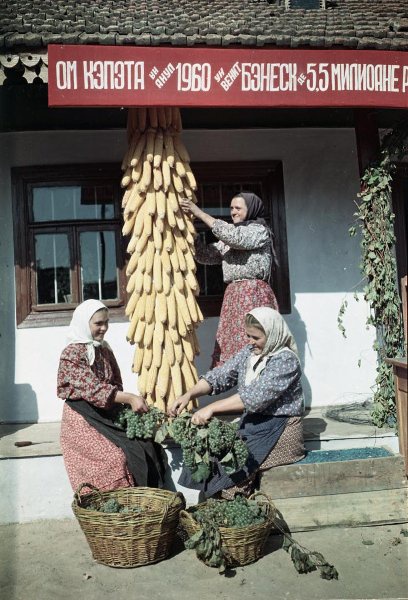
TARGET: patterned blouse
(276,391)
(97,384)
(244,252)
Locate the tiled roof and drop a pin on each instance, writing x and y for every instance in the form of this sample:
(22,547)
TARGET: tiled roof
(361,24)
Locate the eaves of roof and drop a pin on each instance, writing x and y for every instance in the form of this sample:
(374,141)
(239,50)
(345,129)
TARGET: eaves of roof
(27,27)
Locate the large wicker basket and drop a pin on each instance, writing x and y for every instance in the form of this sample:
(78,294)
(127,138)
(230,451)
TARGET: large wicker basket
(243,545)
(129,539)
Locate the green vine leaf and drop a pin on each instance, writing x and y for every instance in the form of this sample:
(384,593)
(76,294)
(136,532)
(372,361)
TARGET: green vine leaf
(375,220)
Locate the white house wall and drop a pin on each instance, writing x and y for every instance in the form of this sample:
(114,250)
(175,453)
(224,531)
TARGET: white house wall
(320,181)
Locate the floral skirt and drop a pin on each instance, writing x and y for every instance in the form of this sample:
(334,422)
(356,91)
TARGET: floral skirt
(288,449)
(240,297)
(89,457)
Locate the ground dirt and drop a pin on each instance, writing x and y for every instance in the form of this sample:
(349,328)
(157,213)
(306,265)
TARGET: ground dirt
(51,560)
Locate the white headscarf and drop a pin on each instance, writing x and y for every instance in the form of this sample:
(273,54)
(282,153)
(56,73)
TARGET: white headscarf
(79,331)
(278,337)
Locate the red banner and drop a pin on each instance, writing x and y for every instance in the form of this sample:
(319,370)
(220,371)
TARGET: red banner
(147,76)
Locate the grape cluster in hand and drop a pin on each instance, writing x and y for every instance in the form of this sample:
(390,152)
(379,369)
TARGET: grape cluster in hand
(140,425)
(202,444)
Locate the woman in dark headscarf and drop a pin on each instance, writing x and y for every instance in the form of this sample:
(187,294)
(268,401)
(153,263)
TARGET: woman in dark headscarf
(246,252)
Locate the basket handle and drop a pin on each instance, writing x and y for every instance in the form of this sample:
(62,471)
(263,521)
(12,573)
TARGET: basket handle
(178,495)
(170,504)
(81,487)
(258,494)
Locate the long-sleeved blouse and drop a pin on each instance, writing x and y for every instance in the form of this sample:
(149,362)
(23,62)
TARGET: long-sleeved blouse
(276,391)
(244,252)
(96,384)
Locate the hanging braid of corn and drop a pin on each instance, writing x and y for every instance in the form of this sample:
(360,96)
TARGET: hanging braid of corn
(162,285)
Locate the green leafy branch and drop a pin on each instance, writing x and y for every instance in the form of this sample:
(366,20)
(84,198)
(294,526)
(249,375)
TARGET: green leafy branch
(375,221)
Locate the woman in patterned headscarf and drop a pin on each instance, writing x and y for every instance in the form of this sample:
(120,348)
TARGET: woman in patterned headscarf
(246,252)
(269,395)
(95,450)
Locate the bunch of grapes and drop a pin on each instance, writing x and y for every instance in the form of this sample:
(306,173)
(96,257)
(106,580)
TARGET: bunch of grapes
(140,425)
(201,444)
(113,506)
(238,512)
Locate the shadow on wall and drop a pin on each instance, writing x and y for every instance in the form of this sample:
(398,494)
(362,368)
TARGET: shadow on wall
(19,405)
(298,328)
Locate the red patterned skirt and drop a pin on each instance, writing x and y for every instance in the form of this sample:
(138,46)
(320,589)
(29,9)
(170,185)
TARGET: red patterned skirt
(240,297)
(89,457)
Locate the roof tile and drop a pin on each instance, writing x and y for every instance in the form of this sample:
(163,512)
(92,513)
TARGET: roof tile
(350,23)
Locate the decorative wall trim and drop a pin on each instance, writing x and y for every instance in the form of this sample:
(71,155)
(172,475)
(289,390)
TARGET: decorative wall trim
(24,67)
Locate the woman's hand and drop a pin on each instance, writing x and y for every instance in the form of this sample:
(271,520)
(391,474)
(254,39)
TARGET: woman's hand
(136,403)
(202,416)
(188,206)
(179,405)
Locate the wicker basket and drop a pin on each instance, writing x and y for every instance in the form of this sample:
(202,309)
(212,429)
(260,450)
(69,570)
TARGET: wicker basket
(243,545)
(129,539)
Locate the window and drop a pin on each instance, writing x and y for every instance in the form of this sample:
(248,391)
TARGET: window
(68,241)
(218,183)
(69,245)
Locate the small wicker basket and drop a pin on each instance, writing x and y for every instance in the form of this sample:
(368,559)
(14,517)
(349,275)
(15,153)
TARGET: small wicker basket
(243,545)
(129,539)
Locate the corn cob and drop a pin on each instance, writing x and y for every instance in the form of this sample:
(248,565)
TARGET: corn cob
(138,152)
(128,225)
(169,348)
(179,163)
(168,144)
(157,273)
(149,308)
(140,330)
(153,116)
(148,335)
(138,359)
(161,308)
(167,283)
(157,236)
(161,116)
(176,379)
(151,135)
(149,253)
(127,178)
(189,373)
(171,309)
(187,347)
(158,150)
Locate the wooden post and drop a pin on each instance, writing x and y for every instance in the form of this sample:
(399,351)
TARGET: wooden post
(367,138)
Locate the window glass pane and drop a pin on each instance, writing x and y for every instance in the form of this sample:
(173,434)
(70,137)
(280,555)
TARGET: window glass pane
(209,277)
(98,265)
(53,268)
(67,203)
(211,198)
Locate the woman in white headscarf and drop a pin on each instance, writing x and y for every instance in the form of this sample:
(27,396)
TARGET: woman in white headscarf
(269,395)
(94,449)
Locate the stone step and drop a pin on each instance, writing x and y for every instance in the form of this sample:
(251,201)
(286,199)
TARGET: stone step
(348,493)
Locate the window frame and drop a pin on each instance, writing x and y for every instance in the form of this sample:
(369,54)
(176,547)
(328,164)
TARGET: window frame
(24,179)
